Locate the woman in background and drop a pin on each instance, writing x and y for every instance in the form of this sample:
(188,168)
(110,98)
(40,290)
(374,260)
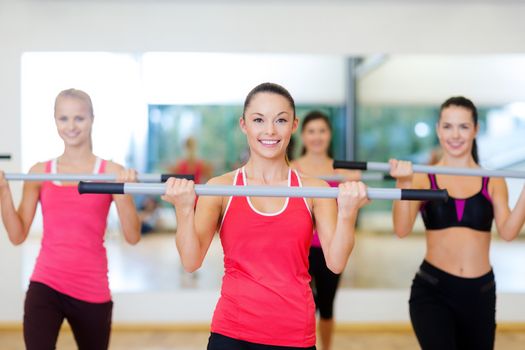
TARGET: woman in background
(453,296)
(70,278)
(191,164)
(315,161)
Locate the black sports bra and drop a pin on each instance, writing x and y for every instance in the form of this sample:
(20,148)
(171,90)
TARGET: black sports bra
(475,212)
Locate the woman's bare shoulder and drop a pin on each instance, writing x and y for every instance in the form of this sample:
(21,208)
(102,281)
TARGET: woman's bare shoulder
(112,167)
(225,179)
(38,168)
(310,181)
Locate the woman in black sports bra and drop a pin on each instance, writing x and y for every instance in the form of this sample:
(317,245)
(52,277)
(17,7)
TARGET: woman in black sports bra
(453,296)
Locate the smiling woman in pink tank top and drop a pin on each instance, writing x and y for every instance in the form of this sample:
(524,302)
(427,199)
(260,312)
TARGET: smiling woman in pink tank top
(70,279)
(316,160)
(266,301)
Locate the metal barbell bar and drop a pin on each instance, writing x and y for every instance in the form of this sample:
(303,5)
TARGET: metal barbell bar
(430,169)
(147,178)
(363,177)
(260,191)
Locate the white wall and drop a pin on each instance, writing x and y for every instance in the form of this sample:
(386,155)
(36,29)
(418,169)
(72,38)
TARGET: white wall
(293,27)
(225,78)
(268,26)
(429,79)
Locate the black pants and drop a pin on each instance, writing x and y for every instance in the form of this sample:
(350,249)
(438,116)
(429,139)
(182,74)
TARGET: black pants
(222,342)
(453,313)
(324,283)
(45,310)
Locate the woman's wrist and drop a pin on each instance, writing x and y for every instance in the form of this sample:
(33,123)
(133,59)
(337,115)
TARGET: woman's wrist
(347,213)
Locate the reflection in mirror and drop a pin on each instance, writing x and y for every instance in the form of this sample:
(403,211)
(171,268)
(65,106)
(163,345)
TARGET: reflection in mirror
(147,106)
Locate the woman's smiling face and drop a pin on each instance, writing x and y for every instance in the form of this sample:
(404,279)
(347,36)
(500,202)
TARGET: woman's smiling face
(456,130)
(268,123)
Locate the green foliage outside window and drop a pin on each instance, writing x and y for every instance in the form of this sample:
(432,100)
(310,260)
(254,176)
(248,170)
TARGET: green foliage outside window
(216,129)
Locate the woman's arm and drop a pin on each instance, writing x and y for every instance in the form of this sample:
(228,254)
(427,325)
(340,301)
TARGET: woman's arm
(508,223)
(127,212)
(195,225)
(350,175)
(404,213)
(335,222)
(18,222)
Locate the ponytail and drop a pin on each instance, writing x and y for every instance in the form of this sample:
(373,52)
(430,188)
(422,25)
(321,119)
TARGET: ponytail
(475,151)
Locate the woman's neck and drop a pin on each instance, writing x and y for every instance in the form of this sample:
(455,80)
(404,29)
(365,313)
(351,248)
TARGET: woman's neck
(461,162)
(267,171)
(191,156)
(315,164)
(77,155)
(316,158)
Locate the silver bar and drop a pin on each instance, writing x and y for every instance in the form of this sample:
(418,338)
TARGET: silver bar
(147,178)
(261,191)
(429,169)
(334,178)
(364,177)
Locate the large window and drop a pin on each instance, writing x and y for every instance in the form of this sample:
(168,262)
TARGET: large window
(402,132)
(216,130)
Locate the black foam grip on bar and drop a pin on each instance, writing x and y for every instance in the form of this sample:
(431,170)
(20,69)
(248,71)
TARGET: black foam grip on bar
(165,177)
(424,195)
(5,156)
(349,164)
(387,177)
(100,187)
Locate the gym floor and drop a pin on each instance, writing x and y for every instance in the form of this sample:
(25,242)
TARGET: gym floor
(378,261)
(164,340)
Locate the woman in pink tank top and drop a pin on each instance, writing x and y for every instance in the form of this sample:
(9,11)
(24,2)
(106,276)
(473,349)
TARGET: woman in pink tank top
(316,160)
(266,301)
(70,279)
(191,164)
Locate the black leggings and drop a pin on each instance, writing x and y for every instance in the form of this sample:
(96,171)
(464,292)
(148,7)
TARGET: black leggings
(324,283)
(45,310)
(222,342)
(453,313)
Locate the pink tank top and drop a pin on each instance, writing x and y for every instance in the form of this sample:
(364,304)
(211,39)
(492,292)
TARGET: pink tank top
(72,258)
(266,296)
(316,243)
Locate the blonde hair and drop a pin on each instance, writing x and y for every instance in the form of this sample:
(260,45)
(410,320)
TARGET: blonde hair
(78,94)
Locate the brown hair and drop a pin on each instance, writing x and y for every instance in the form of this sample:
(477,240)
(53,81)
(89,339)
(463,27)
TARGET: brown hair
(271,88)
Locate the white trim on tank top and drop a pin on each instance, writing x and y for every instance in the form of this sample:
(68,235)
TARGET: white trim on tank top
(301,185)
(54,168)
(229,201)
(245,183)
